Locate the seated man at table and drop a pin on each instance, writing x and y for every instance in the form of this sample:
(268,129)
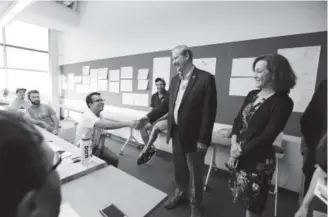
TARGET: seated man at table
(42,115)
(92,125)
(19,103)
(29,183)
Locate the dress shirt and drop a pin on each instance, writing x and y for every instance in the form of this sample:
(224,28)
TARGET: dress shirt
(182,88)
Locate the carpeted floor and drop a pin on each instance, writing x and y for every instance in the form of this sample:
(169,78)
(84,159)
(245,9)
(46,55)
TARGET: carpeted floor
(159,174)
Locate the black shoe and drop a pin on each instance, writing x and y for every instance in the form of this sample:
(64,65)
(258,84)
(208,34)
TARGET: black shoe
(145,157)
(175,201)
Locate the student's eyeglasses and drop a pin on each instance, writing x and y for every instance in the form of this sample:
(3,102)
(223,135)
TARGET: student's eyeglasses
(99,100)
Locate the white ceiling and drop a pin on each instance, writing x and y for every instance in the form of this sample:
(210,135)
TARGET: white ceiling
(4,5)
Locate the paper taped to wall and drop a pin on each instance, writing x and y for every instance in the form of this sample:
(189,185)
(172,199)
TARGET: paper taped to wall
(161,69)
(71,82)
(142,84)
(304,61)
(242,67)
(78,79)
(93,80)
(206,64)
(114,87)
(143,73)
(114,75)
(127,72)
(126,85)
(86,79)
(135,99)
(102,73)
(82,88)
(241,86)
(86,70)
(102,85)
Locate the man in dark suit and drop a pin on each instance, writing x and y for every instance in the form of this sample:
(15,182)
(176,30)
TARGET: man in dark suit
(313,127)
(191,105)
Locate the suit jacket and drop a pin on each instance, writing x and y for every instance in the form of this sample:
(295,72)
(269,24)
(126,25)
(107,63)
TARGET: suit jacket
(266,124)
(196,113)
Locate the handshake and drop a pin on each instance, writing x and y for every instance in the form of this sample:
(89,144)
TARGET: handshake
(138,124)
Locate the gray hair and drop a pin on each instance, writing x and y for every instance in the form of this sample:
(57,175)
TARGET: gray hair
(185,51)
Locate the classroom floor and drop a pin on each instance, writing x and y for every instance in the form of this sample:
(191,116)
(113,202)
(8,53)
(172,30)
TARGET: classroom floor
(159,174)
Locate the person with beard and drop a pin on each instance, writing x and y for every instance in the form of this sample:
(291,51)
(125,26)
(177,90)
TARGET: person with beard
(42,115)
(19,102)
(93,124)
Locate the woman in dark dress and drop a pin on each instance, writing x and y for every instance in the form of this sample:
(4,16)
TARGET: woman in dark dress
(262,117)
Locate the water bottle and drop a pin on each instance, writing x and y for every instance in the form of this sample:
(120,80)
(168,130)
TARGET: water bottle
(86,149)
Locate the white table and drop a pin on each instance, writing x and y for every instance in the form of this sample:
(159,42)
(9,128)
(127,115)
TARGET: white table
(68,170)
(88,194)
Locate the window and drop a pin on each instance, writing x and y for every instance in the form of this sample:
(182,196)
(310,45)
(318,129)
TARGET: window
(25,59)
(27,35)
(30,80)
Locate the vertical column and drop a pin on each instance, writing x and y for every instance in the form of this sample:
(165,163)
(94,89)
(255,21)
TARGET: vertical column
(54,71)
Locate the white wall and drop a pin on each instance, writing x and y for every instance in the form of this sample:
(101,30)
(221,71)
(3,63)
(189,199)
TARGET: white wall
(109,29)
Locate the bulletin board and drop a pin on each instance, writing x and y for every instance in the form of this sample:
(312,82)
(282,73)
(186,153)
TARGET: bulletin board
(231,65)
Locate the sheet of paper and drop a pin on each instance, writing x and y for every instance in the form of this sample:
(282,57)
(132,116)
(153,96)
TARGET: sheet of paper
(304,61)
(86,79)
(127,72)
(143,74)
(103,73)
(78,79)
(66,210)
(128,99)
(141,100)
(114,75)
(206,64)
(142,84)
(126,85)
(82,88)
(241,86)
(86,70)
(242,67)
(102,85)
(114,86)
(161,69)
(93,80)
(71,83)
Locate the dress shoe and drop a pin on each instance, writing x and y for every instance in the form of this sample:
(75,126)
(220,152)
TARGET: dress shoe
(174,201)
(195,211)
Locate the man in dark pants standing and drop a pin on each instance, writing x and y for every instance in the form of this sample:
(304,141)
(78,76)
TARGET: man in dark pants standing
(191,106)
(313,127)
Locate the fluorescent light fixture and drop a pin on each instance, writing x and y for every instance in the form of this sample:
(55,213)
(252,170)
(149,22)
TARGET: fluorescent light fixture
(15,8)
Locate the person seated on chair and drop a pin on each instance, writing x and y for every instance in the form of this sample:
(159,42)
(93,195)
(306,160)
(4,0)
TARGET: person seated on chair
(19,102)
(42,115)
(319,173)
(160,126)
(29,183)
(93,124)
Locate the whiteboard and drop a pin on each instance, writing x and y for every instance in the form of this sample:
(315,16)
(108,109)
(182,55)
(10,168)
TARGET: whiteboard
(304,61)
(161,69)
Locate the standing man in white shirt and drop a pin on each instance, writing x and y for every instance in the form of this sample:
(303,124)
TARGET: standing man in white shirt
(191,106)
(92,125)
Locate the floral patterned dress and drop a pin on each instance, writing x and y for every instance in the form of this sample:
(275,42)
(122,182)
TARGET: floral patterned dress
(249,182)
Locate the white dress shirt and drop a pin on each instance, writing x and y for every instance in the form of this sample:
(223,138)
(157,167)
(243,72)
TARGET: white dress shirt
(182,88)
